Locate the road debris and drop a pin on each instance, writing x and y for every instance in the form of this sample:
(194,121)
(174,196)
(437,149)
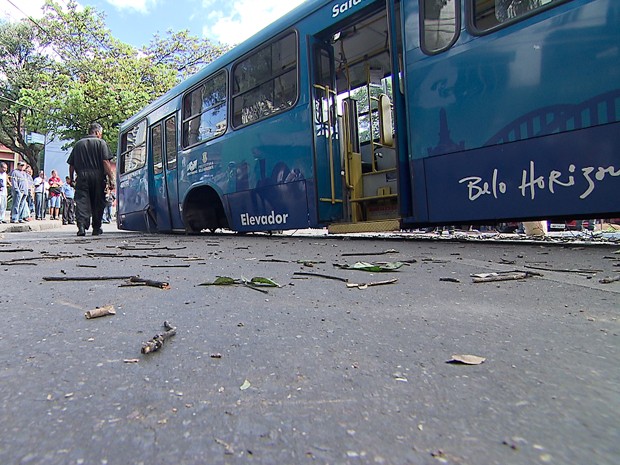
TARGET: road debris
(319,275)
(356,254)
(376,283)
(138,281)
(565,270)
(450,280)
(158,340)
(100,311)
(246,385)
(183,265)
(126,247)
(375,267)
(466,360)
(85,278)
(502,276)
(228,449)
(609,280)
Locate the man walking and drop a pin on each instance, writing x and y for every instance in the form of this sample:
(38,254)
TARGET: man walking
(90,160)
(4,190)
(19,191)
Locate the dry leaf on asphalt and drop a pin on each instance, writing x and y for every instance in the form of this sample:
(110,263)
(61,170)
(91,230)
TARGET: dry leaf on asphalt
(466,359)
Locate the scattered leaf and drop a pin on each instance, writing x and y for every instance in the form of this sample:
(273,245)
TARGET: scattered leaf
(259,281)
(466,359)
(223,281)
(246,385)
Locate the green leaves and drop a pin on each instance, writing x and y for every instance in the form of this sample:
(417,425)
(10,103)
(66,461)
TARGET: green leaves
(254,283)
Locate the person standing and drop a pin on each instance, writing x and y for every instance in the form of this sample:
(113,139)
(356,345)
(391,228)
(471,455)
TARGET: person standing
(4,189)
(39,195)
(110,197)
(55,195)
(68,208)
(29,210)
(90,160)
(19,191)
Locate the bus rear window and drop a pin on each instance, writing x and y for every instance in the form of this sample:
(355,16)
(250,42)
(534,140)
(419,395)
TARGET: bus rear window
(489,14)
(133,148)
(265,82)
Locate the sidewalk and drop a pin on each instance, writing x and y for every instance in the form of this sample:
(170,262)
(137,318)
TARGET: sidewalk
(34,225)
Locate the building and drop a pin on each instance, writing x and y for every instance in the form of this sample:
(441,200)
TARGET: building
(7,156)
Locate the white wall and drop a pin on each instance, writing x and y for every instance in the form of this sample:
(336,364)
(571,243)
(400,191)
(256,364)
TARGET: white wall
(56,158)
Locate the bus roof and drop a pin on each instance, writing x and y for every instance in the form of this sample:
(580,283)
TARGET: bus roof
(281,24)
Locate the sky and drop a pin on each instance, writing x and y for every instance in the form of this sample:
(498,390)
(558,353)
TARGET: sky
(136,21)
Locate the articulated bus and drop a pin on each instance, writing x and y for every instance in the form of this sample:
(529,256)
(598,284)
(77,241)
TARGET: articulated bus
(370,115)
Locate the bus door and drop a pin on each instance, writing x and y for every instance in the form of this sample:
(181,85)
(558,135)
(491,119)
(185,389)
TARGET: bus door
(159,200)
(326,145)
(363,67)
(172,186)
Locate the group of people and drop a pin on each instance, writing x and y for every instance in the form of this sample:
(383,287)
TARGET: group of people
(38,197)
(83,197)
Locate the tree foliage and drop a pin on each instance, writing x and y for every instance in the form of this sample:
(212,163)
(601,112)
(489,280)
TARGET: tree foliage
(20,65)
(183,52)
(66,70)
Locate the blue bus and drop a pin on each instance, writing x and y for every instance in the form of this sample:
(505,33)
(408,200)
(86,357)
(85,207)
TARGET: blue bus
(369,115)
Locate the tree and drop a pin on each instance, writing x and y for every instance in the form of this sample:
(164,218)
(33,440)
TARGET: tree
(21,62)
(183,52)
(91,76)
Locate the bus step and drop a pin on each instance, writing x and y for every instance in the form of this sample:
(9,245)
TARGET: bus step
(364,226)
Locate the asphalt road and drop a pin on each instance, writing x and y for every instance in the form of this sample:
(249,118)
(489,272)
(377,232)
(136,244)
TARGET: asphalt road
(313,372)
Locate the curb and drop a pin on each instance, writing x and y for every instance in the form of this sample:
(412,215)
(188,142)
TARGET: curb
(31,226)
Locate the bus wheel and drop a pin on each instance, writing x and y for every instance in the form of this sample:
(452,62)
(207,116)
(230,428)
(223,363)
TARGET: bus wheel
(203,210)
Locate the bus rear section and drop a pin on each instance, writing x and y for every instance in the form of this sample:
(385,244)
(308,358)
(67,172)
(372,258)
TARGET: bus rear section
(515,114)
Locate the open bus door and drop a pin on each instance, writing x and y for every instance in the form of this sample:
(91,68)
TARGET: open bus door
(163,192)
(359,79)
(326,145)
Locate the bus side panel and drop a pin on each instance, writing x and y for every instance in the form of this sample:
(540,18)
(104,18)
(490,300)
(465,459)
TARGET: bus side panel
(253,166)
(283,206)
(545,90)
(524,180)
(133,201)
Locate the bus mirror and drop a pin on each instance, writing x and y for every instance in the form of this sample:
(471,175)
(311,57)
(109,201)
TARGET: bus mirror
(385,121)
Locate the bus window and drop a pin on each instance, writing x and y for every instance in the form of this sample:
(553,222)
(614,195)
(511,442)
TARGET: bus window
(205,111)
(171,143)
(158,165)
(441,21)
(133,148)
(491,13)
(265,82)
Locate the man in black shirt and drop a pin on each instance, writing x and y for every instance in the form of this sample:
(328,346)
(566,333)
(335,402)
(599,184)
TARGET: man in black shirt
(90,160)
